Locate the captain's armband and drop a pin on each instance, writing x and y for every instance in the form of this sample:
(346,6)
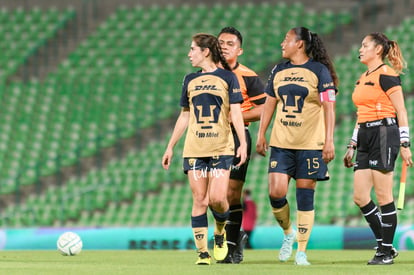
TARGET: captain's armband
(328,95)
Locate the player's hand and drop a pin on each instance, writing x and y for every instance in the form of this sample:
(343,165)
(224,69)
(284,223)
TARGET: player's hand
(166,158)
(261,146)
(242,153)
(328,152)
(349,155)
(406,156)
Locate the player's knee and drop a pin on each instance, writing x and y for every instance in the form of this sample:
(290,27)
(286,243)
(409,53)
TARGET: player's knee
(234,191)
(361,201)
(305,199)
(278,203)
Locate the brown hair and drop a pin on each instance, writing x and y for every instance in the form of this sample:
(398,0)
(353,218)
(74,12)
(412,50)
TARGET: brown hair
(390,51)
(208,41)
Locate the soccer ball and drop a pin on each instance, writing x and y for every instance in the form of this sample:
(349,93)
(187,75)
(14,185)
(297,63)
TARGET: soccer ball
(69,244)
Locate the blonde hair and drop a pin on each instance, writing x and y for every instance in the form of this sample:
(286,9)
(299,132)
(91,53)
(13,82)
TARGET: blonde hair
(391,51)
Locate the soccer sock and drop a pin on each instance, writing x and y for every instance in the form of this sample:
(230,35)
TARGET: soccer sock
(389,224)
(305,216)
(199,225)
(305,225)
(373,217)
(233,225)
(220,219)
(281,212)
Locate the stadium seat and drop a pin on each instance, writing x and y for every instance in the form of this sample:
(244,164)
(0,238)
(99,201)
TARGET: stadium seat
(123,78)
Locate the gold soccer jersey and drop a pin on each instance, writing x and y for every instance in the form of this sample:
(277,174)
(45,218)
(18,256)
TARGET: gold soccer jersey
(209,95)
(372,91)
(299,121)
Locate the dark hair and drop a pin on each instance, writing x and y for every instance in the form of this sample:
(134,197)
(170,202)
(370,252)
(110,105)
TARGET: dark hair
(390,50)
(232,30)
(208,41)
(315,48)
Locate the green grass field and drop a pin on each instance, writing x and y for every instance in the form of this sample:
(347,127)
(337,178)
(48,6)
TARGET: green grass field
(182,262)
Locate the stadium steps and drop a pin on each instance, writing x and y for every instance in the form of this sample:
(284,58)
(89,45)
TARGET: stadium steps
(92,99)
(109,198)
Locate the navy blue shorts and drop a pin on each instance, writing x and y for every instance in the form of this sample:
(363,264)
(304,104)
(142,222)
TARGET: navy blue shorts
(299,164)
(377,148)
(207,163)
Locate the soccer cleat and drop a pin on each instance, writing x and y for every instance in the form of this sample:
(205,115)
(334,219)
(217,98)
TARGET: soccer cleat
(286,249)
(301,258)
(241,243)
(381,259)
(220,247)
(394,253)
(203,258)
(227,260)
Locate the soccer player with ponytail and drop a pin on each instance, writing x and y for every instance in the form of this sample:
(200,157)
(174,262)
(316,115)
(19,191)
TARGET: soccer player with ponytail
(381,132)
(210,99)
(302,91)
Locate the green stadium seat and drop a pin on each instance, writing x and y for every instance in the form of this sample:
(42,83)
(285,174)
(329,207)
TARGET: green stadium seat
(83,96)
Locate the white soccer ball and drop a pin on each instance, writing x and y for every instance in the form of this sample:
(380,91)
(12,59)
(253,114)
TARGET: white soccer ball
(69,244)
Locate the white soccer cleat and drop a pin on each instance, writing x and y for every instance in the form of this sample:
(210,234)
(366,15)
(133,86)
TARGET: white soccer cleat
(286,250)
(301,258)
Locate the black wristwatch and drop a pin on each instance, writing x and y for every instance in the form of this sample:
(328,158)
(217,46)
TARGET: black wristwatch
(405,144)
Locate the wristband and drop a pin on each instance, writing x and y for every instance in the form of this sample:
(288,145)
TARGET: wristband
(404,134)
(351,146)
(354,137)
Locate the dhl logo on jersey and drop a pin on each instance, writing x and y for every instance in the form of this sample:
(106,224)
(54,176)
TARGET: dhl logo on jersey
(205,88)
(294,79)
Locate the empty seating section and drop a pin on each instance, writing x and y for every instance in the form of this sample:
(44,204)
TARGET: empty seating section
(23,31)
(126,76)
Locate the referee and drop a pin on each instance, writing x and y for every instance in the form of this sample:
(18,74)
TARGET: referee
(252,90)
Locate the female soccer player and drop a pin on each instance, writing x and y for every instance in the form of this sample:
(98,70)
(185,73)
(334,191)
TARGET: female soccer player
(210,98)
(377,137)
(302,91)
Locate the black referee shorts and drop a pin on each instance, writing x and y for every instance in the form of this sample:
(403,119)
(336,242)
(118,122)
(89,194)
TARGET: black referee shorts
(239,173)
(378,145)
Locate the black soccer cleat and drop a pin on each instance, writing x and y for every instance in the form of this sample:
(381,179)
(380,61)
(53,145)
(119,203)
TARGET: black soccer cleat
(381,259)
(241,243)
(394,253)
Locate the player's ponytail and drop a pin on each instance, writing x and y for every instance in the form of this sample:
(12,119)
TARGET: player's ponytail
(315,48)
(390,51)
(208,41)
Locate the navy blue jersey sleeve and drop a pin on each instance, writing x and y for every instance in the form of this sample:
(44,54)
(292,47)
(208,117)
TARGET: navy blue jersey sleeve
(325,80)
(269,86)
(235,95)
(184,101)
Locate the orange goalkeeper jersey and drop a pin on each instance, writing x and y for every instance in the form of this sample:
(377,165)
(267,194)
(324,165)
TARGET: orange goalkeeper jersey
(372,91)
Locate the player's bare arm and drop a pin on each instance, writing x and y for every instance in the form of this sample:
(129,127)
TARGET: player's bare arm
(267,114)
(237,120)
(328,151)
(179,129)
